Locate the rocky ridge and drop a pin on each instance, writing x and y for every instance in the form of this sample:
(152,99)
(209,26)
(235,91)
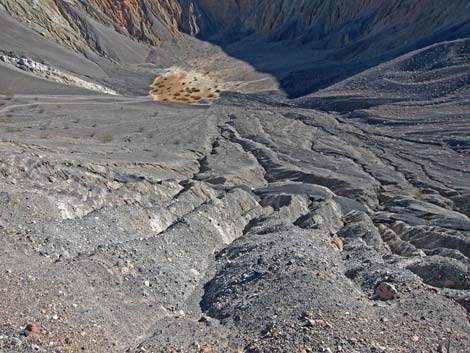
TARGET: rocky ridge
(52,74)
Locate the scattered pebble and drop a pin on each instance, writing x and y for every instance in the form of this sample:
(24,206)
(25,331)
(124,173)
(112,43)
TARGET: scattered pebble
(386,291)
(31,330)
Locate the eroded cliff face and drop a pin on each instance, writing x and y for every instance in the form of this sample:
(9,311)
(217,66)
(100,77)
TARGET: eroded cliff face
(149,21)
(317,23)
(72,23)
(47,18)
(336,23)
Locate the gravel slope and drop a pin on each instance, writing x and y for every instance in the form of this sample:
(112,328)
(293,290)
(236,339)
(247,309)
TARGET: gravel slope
(336,222)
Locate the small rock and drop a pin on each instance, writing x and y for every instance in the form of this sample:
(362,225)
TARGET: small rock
(147,283)
(324,323)
(338,242)
(310,323)
(55,317)
(31,330)
(203,319)
(386,291)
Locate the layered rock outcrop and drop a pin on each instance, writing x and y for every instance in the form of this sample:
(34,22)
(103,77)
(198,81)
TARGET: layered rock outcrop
(372,26)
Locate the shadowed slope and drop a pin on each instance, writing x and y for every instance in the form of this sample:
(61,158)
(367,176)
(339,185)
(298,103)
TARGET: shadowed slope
(333,39)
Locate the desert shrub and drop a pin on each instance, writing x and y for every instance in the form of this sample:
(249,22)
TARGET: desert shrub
(196,98)
(106,138)
(445,146)
(12,129)
(419,196)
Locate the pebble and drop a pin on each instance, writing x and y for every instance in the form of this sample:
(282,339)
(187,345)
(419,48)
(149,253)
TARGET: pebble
(55,317)
(204,319)
(147,283)
(31,330)
(338,242)
(386,291)
(310,323)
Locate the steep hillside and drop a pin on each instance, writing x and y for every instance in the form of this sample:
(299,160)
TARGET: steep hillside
(68,22)
(333,39)
(246,221)
(316,24)
(335,23)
